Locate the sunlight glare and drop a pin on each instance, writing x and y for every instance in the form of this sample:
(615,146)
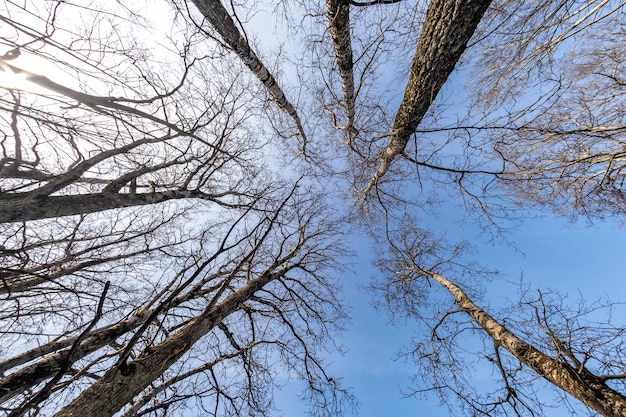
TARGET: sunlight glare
(17,69)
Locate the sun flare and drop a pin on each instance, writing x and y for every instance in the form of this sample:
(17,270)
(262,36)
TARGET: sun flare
(24,72)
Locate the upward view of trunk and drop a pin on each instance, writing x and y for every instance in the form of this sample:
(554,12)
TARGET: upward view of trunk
(119,385)
(448,26)
(580,383)
(339,18)
(220,20)
(29,376)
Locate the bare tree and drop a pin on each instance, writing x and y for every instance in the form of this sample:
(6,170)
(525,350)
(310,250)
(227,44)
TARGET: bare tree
(544,105)
(152,173)
(532,132)
(221,304)
(219,18)
(200,302)
(543,341)
(568,152)
(158,252)
(556,143)
(447,29)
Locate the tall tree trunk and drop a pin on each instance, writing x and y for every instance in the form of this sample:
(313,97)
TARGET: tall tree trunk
(448,27)
(56,352)
(19,208)
(580,383)
(31,375)
(339,18)
(119,385)
(220,20)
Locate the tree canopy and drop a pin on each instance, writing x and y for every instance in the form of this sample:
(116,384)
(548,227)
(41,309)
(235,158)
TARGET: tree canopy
(179,183)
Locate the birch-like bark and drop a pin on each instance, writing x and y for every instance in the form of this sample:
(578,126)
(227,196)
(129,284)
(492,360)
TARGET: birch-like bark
(580,383)
(20,208)
(119,385)
(217,16)
(448,27)
(339,19)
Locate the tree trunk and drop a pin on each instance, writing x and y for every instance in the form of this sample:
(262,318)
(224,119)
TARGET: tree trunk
(19,208)
(339,18)
(31,375)
(118,386)
(218,17)
(448,27)
(580,383)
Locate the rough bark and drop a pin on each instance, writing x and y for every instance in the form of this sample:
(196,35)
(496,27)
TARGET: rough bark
(31,375)
(448,26)
(218,17)
(20,208)
(57,352)
(120,384)
(580,383)
(373,2)
(339,19)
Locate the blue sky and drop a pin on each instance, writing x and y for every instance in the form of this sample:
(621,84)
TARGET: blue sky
(551,253)
(580,259)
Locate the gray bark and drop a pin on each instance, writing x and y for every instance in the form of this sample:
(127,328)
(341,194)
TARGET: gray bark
(57,352)
(20,208)
(339,19)
(218,17)
(580,383)
(119,385)
(31,375)
(448,27)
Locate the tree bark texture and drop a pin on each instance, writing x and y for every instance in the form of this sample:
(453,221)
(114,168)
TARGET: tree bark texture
(339,19)
(448,26)
(580,383)
(119,385)
(31,375)
(19,208)
(218,17)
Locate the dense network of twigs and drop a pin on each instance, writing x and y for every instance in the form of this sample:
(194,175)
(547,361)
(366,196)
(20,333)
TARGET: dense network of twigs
(177,185)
